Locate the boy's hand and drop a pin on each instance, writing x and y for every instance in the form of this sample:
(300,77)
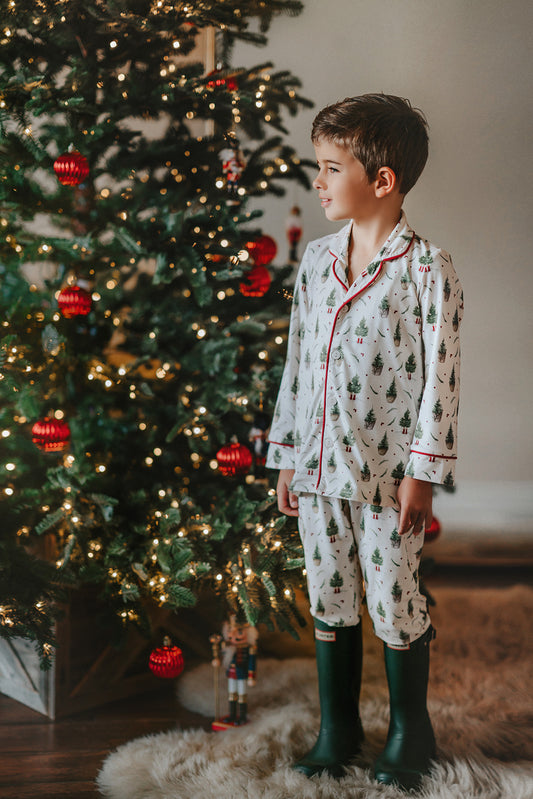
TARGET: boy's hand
(287,500)
(415,498)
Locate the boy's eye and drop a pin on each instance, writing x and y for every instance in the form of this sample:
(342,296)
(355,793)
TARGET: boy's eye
(332,169)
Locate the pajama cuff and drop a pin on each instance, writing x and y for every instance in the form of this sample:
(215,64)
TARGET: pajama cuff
(280,456)
(433,468)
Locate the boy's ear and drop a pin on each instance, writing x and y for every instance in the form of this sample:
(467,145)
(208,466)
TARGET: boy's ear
(385,182)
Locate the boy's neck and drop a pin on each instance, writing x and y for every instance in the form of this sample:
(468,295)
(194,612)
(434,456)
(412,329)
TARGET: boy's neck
(367,237)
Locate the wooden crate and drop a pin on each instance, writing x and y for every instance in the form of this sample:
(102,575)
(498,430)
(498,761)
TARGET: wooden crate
(88,670)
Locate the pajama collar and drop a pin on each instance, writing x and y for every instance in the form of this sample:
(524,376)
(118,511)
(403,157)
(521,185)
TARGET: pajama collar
(397,243)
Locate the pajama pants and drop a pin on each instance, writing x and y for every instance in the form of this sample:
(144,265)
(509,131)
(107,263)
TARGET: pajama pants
(352,548)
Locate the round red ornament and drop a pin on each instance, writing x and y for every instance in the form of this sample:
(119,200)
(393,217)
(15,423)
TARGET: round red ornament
(263,250)
(71,168)
(433,531)
(51,435)
(234,459)
(167,660)
(74,301)
(257,282)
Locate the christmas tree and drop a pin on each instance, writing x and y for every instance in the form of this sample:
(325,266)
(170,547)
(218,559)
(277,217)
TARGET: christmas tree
(140,353)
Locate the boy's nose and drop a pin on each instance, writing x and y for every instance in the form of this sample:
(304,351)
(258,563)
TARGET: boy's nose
(317,183)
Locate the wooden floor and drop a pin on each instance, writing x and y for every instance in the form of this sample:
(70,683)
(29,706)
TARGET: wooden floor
(59,760)
(43,759)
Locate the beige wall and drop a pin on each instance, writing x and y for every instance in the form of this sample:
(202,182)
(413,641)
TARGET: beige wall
(466,63)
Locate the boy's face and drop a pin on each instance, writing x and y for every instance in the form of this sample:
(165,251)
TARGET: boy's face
(343,187)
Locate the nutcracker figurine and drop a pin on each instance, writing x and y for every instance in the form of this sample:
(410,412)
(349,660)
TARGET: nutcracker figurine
(239,659)
(233,165)
(293,227)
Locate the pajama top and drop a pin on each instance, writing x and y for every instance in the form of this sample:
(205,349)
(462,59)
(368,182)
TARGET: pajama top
(370,389)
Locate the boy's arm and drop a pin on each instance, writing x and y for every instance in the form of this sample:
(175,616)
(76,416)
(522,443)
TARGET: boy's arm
(434,444)
(281,437)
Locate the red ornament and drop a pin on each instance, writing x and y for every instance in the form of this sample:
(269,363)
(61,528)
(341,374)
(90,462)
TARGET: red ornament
(263,250)
(51,435)
(74,301)
(167,660)
(217,81)
(234,459)
(433,531)
(257,282)
(71,168)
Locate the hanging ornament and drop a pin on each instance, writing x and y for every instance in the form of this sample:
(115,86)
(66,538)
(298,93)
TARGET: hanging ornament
(217,81)
(50,340)
(167,660)
(262,250)
(257,282)
(74,301)
(433,531)
(71,168)
(234,459)
(293,226)
(51,435)
(258,437)
(233,165)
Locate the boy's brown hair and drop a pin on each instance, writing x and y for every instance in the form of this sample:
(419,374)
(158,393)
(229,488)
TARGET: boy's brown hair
(379,130)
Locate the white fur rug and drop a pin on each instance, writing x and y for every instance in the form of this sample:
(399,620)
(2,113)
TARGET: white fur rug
(480,701)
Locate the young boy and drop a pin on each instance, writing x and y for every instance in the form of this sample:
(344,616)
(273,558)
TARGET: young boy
(366,423)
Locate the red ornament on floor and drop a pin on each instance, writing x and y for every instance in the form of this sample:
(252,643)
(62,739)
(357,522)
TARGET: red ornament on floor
(263,250)
(433,531)
(51,435)
(71,168)
(234,459)
(257,282)
(74,301)
(167,660)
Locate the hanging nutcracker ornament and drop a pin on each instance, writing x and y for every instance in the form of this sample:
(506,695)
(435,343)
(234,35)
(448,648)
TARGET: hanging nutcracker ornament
(234,459)
(258,438)
(74,301)
(239,645)
(233,165)
(167,660)
(293,226)
(71,168)
(51,435)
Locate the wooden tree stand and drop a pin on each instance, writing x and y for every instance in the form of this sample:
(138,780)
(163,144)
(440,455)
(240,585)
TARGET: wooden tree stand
(88,670)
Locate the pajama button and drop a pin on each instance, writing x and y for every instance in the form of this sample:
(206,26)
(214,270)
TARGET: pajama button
(337,355)
(328,442)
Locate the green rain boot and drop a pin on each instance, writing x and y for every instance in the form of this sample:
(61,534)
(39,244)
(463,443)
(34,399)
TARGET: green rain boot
(339,652)
(410,743)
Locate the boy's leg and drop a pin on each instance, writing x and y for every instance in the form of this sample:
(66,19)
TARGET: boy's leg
(338,648)
(400,618)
